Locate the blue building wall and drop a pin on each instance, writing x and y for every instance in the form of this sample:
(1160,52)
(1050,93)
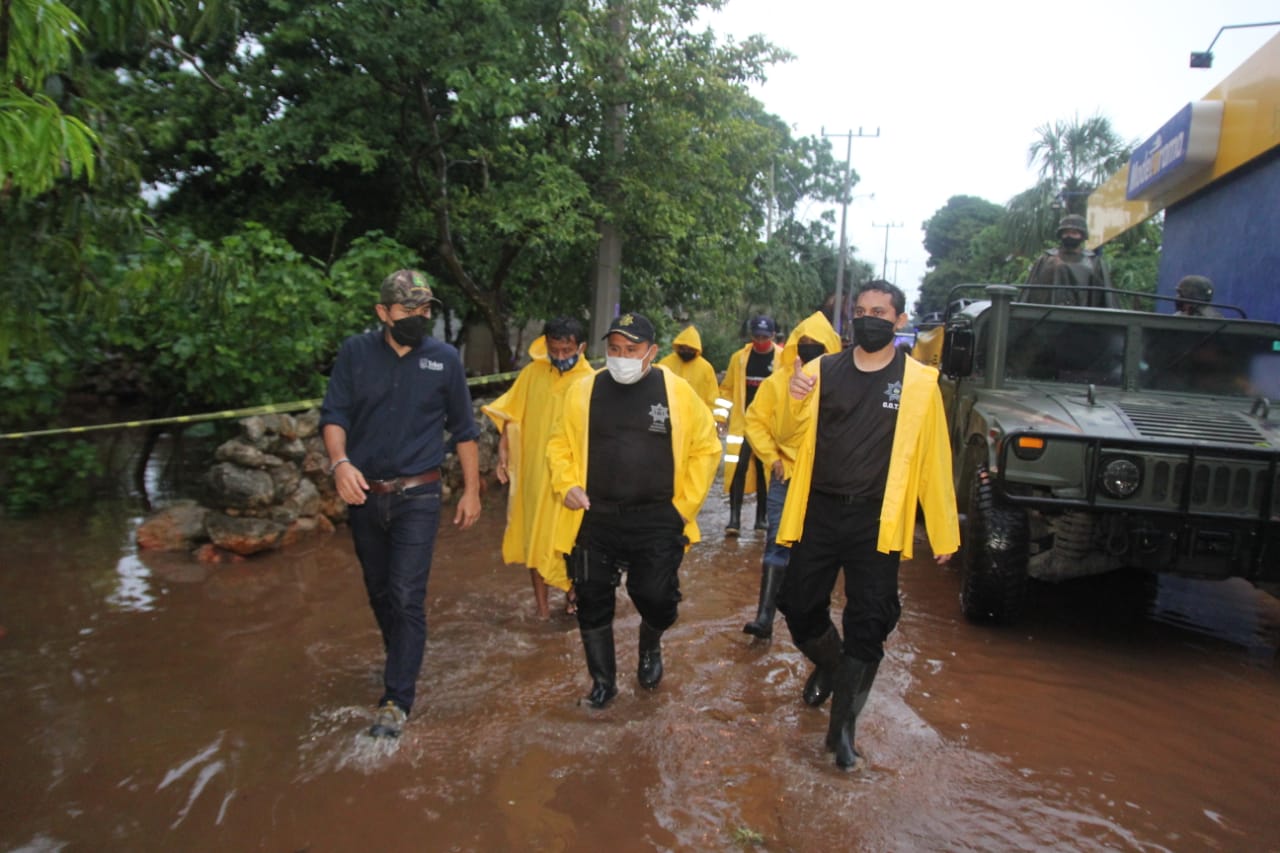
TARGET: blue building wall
(1230,232)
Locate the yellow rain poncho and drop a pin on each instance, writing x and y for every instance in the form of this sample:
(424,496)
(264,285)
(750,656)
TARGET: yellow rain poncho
(770,413)
(698,372)
(694,447)
(526,413)
(919,465)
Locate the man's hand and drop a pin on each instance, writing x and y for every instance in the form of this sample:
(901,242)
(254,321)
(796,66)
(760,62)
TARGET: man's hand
(350,483)
(801,383)
(468,510)
(778,470)
(576,498)
(942,559)
(503,458)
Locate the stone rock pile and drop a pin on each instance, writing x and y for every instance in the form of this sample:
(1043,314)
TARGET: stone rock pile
(270,487)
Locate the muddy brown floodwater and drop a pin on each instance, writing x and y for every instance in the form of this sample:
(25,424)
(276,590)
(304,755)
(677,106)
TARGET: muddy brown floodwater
(151,703)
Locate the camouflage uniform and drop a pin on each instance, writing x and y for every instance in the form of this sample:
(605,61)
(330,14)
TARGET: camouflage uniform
(1077,267)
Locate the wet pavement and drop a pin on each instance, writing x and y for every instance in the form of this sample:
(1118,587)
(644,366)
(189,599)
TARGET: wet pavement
(153,703)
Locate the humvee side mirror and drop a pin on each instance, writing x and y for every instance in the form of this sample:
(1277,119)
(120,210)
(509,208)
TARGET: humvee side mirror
(957,352)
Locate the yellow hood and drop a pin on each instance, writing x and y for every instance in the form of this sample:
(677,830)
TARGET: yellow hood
(688,338)
(815,326)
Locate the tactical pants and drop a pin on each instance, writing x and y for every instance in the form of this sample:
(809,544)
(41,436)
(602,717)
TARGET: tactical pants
(647,542)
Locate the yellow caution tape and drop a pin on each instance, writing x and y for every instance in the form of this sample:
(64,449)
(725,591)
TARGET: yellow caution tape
(268,409)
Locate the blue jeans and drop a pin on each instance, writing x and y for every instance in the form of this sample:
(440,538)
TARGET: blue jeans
(775,554)
(394,535)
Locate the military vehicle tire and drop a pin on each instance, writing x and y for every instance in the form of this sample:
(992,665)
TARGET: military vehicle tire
(993,554)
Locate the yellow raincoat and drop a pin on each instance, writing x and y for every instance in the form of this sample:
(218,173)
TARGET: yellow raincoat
(919,466)
(769,415)
(734,389)
(694,445)
(699,373)
(526,413)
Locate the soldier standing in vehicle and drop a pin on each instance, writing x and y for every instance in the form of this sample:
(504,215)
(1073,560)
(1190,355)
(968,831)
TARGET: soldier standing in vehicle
(1195,292)
(871,443)
(1080,276)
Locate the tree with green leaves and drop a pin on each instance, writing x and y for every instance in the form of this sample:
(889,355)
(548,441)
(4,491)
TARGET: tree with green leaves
(1073,158)
(964,247)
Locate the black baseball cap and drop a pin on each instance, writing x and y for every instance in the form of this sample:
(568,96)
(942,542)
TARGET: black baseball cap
(763,325)
(632,326)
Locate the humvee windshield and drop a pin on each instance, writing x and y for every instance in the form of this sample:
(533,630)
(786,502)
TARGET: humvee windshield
(1210,363)
(1048,350)
(1197,361)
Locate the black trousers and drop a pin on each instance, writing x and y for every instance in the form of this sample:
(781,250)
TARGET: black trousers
(647,543)
(839,536)
(738,485)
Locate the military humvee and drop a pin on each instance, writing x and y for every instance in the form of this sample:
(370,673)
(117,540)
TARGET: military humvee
(1089,440)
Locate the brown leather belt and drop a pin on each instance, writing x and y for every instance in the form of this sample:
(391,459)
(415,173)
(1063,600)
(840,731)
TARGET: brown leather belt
(399,484)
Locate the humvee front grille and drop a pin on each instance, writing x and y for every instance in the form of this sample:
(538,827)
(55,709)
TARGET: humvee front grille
(1217,485)
(1193,425)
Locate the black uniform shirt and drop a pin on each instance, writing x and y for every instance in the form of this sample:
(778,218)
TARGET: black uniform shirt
(629,458)
(857,414)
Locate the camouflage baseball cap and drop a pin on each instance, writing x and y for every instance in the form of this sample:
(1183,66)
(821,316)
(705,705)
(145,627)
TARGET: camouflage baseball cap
(410,288)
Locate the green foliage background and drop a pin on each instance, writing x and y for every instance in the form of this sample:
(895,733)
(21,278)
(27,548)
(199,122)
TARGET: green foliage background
(200,198)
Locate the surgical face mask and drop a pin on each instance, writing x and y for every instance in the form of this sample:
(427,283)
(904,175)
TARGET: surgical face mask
(762,346)
(808,352)
(1071,242)
(625,371)
(564,365)
(872,333)
(687,354)
(409,331)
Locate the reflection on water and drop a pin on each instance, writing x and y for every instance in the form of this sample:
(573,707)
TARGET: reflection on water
(156,703)
(133,589)
(1231,610)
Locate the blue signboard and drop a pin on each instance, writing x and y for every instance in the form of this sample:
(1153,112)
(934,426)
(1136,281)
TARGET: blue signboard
(1186,145)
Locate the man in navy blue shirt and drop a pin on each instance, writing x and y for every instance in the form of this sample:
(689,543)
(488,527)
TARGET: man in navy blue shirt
(393,394)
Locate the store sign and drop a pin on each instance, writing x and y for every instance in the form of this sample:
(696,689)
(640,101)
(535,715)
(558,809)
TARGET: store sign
(1182,149)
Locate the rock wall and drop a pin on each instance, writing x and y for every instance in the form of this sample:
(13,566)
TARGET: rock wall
(269,487)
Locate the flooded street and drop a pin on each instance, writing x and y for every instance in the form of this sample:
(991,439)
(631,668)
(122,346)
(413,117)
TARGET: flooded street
(153,703)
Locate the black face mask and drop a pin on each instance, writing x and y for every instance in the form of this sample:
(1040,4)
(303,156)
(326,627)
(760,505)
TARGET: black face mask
(1071,242)
(409,331)
(687,354)
(872,333)
(808,352)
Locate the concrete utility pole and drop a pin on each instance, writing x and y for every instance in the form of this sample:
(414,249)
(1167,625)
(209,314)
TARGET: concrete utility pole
(884,266)
(608,278)
(844,214)
(897,261)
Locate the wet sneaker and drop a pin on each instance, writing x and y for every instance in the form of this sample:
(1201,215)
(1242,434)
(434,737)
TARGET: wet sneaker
(388,721)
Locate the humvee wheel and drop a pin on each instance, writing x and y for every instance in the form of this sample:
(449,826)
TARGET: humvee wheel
(993,554)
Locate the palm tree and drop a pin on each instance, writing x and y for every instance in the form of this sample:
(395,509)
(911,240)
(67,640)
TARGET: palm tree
(1074,158)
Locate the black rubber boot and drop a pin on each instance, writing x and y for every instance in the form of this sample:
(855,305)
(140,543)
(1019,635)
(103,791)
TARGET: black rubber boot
(844,716)
(737,487)
(825,652)
(735,517)
(864,689)
(817,687)
(601,664)
(770,583)
(649,672)
(762,507)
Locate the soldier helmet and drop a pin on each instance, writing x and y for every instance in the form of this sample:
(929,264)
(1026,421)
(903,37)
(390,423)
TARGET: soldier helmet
(1195,287)
(1075,221)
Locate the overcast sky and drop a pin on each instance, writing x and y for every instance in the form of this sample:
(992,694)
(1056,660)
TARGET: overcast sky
(957,90)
